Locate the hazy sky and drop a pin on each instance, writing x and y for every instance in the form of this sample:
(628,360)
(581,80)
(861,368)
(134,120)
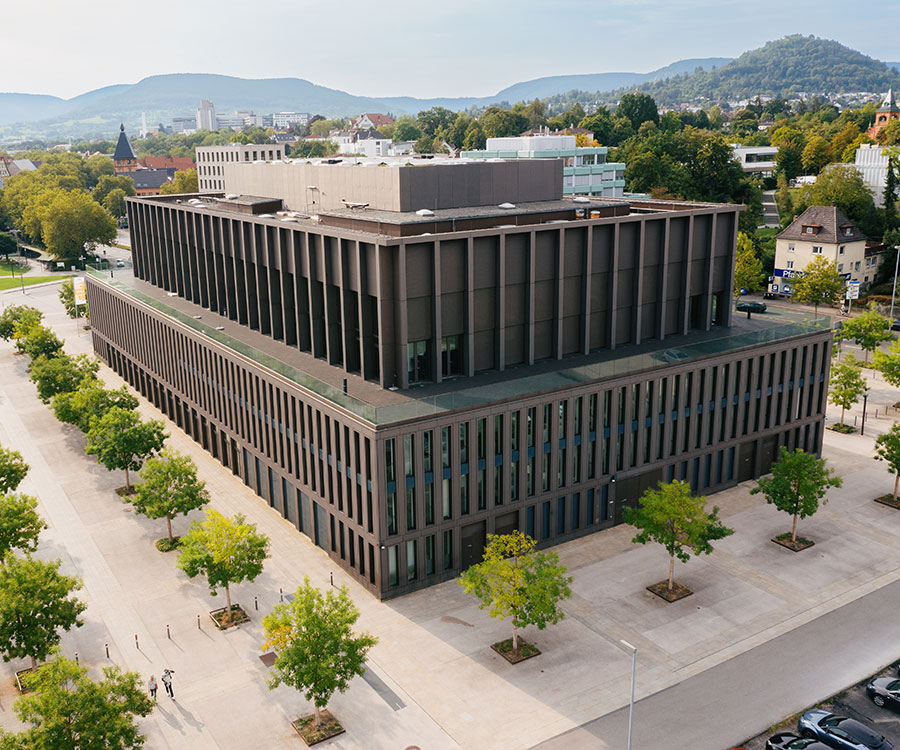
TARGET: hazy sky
(393,47)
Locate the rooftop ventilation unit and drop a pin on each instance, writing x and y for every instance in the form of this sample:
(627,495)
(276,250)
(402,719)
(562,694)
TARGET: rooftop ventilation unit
(581,199)
(232,196)
(425,212)
(506,205)
(265,216)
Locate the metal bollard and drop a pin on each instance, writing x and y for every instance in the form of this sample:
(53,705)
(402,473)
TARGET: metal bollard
(107,650)
(168,634)
(331,575)
(137,645)
(281,594)
(76,657)
(255,603)
(198,622)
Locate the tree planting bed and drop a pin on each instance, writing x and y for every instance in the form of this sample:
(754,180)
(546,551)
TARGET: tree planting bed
(889,500)
(238,617)
(844,429)
(785,541)
(678,591)
(525,651)
(312,734)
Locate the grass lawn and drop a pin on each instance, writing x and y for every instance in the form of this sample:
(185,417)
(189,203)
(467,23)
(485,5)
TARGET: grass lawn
(7,268)
(8,282)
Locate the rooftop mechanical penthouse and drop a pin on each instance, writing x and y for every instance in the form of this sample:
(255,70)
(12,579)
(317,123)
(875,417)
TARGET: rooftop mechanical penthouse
(403,359)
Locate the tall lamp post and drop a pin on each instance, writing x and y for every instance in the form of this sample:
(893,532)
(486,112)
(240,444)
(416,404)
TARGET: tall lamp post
(894,290)
(633,650)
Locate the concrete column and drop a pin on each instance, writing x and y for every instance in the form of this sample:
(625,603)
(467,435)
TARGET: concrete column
(529,354)
(437,328)
(686,280)
(401,317)
(501,302)
(362,285)
(470,306)
(638,284)
(560,294)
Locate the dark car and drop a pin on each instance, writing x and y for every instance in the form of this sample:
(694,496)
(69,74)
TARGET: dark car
(749,305)
(895,326)
(790,741)
(885,691)
(840,732)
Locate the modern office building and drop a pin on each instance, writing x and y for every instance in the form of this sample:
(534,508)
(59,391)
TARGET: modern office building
(585,169)
(211,161)
(206,115)
(289,119)
(403,359)
(756,159)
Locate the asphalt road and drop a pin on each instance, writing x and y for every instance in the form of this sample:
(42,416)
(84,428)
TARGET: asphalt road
(740,698)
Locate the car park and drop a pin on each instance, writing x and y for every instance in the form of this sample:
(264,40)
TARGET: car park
(751,306)
(885,692)
(840,732)
(791,741)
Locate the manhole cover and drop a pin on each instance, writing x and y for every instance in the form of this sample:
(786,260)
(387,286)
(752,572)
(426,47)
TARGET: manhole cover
(268,659)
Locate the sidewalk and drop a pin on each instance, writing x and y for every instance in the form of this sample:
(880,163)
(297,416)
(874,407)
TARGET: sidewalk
(433,655)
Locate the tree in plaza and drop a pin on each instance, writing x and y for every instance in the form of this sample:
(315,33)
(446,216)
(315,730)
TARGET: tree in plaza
(185,181)
(37,341)
(20,524)
(820,282)
(748,269)
(67,298)
(21,315)
(12,469)
(888,363)
(120,440)
(887,449)
(36,602)
(847,384)
(69,711)
(225,550)
(515,581)
(317,651)
(675,518)
(798,483)
(61,374)
(90,401)
(868,330)
(169,486)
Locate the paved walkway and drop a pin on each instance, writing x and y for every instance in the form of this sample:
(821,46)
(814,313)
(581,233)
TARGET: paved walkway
(433,656)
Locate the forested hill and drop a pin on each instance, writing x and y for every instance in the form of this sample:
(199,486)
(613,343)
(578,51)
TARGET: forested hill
(789,66)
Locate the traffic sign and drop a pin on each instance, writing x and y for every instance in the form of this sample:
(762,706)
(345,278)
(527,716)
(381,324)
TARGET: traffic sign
(852,290)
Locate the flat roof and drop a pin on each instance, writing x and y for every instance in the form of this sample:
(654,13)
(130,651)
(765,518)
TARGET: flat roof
(381,406)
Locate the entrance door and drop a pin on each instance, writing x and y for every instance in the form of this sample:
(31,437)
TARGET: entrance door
(767,454)
(747,461)
(474,538)
(507,523)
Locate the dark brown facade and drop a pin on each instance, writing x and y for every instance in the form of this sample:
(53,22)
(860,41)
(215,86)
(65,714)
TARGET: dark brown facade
(402,488)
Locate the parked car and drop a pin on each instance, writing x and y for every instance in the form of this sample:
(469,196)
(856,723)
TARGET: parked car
(840,732)
(791,741)
(895,326)
(749,305)
(120,263)
(885,691)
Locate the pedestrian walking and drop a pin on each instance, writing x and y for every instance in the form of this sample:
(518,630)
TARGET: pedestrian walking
(167,681)
(152,686)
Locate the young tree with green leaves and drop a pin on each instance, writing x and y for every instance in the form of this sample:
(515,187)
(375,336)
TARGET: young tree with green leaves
(20,524)
(22,315)
(888,363)
(89,402)
(120,440)
(819,283)
(226,550)
(36,602)
(797,485)
(169,486)
(868,330)
(69,711)
(36,340)
(847,384)
(62,374)
(887,449)
(515,581)
(67,299)
(13,469)
(676,519)
(748,268)
(316,649)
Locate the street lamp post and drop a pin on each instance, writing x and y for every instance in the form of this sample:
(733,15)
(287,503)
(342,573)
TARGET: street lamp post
(894,290)
(633,650)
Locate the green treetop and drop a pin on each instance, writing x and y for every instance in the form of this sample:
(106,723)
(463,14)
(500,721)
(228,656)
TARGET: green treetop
(748,268)
(515,581)
(820,283)
(169,486)
(887,449)
(12,469)
(868,330)
(317,651)
(35,604)
(120,440)
(20,524)
(888,363)
(676,519)
(89,402)
(36,340)
(797,485)
(847,384)
(62,374)
(22,315)
(225,550)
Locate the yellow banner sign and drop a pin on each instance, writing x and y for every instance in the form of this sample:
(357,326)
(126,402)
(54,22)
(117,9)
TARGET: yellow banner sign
(78,287)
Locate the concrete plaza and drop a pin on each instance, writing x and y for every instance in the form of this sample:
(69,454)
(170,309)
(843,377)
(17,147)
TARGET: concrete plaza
(433,682)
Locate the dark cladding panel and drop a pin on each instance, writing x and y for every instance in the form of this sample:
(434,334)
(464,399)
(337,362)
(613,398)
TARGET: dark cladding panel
(453,266)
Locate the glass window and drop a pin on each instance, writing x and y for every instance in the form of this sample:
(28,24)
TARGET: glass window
(410,508)
(389,460)
(427,450)
(445,447)
(418,354)
(392,512)
(448,549)
(429,555)
(560,515)
(409,445)
(393,578)
(451,356)
(429,503)
(411,560)
(481,426)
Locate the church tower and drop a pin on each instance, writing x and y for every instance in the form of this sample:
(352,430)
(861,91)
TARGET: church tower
(886,112)
(124,160)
